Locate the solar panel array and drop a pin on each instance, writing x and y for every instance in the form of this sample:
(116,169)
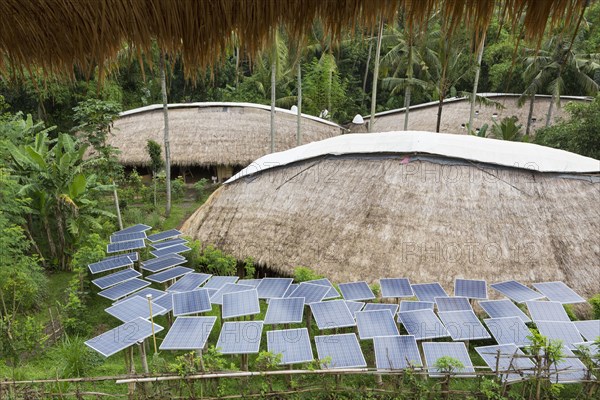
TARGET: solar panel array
(332,314)
(428,291)
(249,282)
(188,333)
(395,287)
(238,304)
(178,248)
(502,358)
(143,293)
(590,330)
(354,306)
(123,336)
(407,305)
(290,289)
(170,234)
(165,301)
(463,325)
(507,330)
(152,261)
(133,308)
(516,291)
(293,345)
(558,291)
(217,281)
(118,277)
(453,304)
(217,297)
(396,352)
(133,256)
(164,263)
(356,291)
(376,323)
(193,302)
(503,308)
(343,351)
(110,263)
(271,288)
(124,246)
(169,274)
(423,324)
(332,294)
(167,243)
(125,237)
(470,288)
(134,228)
(123,289)
(188,282)
(240,337)
(569,369)
(285,311)
(380,306)
(434,351)
(310,292)
(547,311)
(565,331)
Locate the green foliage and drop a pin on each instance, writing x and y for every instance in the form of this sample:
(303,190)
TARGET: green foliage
(19,336)
(303,274)
(186,364)
(177,188)
(74,358)
(267,360)
(508,129)
(193,256)
(595,303)
(570,312)
(155,152)
(200,187)
(323,88)
(215,361)
(249,268)
(448,365)
(376,289)
(491,389)
(217,262)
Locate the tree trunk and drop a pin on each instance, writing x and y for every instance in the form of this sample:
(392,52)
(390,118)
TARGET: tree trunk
(376,76)
(364,87)
(439,114)
(409,75)
(331,59)
(550,109)
(476,83)
(116,196)
(299,127)
(163,85)
(273,94)
(530,114)
(49,236)
(237,66)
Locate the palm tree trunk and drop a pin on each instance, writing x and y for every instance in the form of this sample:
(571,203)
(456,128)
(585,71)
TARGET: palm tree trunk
(237,66)
(163,85)
(409,75)
(476,82)
(364,87)
(273,94)
(116,197)
(439,114)
(299,128)
(376,76)
(550,109)
(46,224)
(530,114)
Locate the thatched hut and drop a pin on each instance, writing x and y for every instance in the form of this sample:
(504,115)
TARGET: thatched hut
(212,139)
(427,206)
(456,110)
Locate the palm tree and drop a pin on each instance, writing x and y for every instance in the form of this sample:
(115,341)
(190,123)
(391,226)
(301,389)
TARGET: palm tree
(376,75)
(163,86)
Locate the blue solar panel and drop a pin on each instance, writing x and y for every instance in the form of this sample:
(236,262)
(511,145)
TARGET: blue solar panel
(356,291)
(375,323)
(217,297)
(396,352)
(453,304)
(332,294)
(171,233)
(568,370)
(434,351)
(169,274)
(143,293)
(122,336)
(167,243)
(565,331)
(590,330)
(547,311)
(470,288)
(152,261)
(109,264)
(164,263)
(165,301)
(293,345)
(124,246)
(217,281)
(193,302)
(310,292)
(188,333)
(343,350)
(188,282)
(516,291)
(132,255)
(428,291)
(463,325)
(502,358)
(503,308)
(132,308)
(178,248)
(407,305)
(423,324)
(285,311)
(395,287)
(118,277)
(250,282)
(354,306)
(508,330)
(271,288)
(125,237)
(238,304)
(332,314)
(381,306)
(240,337)
(290,290)
(558,291)
(134,228)
(123,289)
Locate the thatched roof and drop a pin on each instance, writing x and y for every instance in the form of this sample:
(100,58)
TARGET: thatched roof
(59,34)
(426,215)
(203,134)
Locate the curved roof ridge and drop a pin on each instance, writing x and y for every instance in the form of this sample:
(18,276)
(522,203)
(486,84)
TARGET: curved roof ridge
(491,151)
(154,107)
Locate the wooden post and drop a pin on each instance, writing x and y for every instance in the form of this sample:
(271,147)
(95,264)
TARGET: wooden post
(143,357)
(149,297)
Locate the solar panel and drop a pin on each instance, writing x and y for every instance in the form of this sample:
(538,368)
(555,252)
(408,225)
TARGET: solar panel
(470,288)
(193,302)
(375,323)
(356,291)
(396,352)
(422,324)
(463,325)
(167,243)
(123,289)
(152,261)
(332,294)
(124,237)
(273,287)
(132,308)
(516,291)
(285,311)
(564,331)
(407,305)
(547,311)
(170,234)
(124,246)
(169,274)
(293,345)
(433,351)
(143,293)
(453,304)
(217,297)
(428,291)
(290,289)
(568,370)
(123,336)
(188,333)
(109,264)
(164,263)
(343,350)
(310,292)
(134,228)
(590,330)
(178,248)
(217,281)
(332,314)
(240,337)
(381,306)
(238,304)
(250,282)
(502,358)
(118,277)
(590,347)
(165,301)
(558,291)
(508,330)
(503,308)
(354,306)
(189,282)
(132,255)
(395,287)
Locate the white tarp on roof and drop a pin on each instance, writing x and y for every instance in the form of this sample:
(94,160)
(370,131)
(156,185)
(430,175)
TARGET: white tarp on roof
(472,148)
